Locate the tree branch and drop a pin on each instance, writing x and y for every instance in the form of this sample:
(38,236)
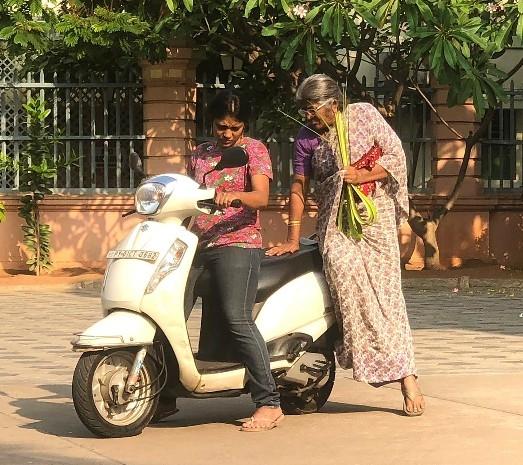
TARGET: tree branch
(429,103)
(513,71)
(470,142)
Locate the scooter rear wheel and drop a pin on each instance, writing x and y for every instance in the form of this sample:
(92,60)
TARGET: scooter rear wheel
(99,398)
(312,402)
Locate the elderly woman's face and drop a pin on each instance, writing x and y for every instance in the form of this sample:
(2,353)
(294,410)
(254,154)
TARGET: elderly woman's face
(228,131)
(320,114)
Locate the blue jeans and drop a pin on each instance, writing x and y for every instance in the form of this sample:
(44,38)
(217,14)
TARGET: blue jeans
(227,314)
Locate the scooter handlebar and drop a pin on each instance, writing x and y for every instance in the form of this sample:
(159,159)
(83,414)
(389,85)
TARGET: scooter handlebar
(236,203)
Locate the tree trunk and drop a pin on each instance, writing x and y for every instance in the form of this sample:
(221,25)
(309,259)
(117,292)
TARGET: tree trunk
(430,244)
(426,228)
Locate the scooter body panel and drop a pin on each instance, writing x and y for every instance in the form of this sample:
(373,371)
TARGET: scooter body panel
(126,279)
(231,379)
(121,328)
(295,305)
(166,307)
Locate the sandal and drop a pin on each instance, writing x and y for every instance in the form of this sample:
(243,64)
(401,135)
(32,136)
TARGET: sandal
(261,425)
(412,396)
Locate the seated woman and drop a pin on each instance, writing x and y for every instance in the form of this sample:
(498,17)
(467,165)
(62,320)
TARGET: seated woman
(230,249)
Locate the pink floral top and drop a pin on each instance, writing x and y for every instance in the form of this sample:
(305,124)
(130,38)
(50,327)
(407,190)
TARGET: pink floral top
(238,227)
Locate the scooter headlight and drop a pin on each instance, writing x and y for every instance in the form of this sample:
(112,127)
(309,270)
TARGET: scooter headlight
(170,262)
(148,198)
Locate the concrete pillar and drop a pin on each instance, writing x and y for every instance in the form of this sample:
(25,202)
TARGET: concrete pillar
(448,150)
(169,110)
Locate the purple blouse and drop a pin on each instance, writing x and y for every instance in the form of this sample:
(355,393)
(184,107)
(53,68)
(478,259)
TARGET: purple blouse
(304,146)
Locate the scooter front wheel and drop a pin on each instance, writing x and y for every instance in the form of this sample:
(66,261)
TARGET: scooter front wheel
(100,399)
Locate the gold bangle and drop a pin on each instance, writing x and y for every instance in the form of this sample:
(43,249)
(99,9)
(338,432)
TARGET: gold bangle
(294,223)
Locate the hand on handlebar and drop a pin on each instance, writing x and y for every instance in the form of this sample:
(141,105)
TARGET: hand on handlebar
(286,247)
(227,199)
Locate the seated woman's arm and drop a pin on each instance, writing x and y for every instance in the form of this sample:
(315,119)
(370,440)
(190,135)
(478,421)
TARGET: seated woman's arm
(257,198)
(299,188)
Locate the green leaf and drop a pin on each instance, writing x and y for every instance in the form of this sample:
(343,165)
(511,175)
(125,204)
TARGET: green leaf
(520,6)
(352,30)
(286,8)
(251,4)
(7,32)
(503,36)
(326,29)
(172,5)
(383,12)
(337,28)
(312,14)
(465,49)
(269,31)
(436,54)
(273,29)
(188,4)
(288,56)
(425,10)
(519,28)
(450,53)
(471,36)
(479,100)
(36,8)
(310,55)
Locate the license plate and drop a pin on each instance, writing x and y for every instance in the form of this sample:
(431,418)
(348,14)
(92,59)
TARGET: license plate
(146,255)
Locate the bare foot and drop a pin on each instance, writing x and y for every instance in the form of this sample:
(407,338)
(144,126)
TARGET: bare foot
(264,418)
(414,400)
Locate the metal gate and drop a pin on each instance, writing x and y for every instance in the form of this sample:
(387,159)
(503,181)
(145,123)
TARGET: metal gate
(98,118)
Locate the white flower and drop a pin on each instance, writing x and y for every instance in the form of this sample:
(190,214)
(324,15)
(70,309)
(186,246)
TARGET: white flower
(357,20)
(300,11)
(228,177)
(51,4)
(495,7)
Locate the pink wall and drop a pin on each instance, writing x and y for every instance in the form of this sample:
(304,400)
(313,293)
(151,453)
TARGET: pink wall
(85,228)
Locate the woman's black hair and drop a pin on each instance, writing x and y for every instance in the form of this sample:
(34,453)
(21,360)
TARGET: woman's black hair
(232,104)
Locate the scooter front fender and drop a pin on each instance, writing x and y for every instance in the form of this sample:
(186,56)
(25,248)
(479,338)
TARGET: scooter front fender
(121,328)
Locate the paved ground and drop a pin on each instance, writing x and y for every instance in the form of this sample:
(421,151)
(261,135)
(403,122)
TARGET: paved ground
(469,350)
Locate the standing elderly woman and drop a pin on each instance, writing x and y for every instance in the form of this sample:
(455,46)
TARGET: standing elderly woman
(363,275)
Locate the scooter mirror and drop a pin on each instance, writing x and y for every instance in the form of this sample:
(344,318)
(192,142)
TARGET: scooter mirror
(136,163)
(232,157)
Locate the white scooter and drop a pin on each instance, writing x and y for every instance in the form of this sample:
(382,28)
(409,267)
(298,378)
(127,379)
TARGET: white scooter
(140,354)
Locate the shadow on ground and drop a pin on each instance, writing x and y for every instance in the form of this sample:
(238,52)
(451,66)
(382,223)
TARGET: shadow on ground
(54,414)
(15,455)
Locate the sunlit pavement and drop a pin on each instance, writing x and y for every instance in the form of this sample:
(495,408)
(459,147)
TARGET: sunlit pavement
(469,351)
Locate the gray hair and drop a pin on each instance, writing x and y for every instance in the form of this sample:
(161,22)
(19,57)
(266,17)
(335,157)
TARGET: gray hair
(318,87)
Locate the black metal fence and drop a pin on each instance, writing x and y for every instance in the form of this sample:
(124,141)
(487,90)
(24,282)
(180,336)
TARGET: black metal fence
(502,148)
(411,122)
(99,120)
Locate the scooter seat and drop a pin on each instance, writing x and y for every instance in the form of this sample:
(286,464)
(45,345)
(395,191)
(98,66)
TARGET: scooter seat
(277,271)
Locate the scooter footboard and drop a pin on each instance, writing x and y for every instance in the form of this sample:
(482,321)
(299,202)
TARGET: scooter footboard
(121,328)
